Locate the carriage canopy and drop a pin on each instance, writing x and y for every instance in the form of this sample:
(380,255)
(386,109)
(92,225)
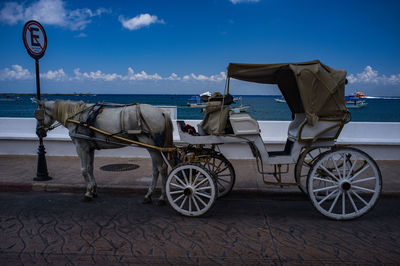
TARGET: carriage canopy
(308,87)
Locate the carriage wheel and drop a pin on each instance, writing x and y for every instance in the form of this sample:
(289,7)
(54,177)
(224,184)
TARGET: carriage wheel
(303,166)
(344,183)
(223,172)
(191,189)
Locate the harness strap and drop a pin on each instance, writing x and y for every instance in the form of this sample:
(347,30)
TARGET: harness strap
(141,118)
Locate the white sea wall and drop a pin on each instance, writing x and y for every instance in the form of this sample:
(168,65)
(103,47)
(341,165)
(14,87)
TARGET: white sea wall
(379,139)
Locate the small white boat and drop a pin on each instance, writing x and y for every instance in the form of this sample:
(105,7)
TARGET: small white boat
(9,99)
(280,100)
(355,104)
(239,108)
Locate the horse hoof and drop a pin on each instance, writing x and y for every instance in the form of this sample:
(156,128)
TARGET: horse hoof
(87,198)
(146,200)
(161,203)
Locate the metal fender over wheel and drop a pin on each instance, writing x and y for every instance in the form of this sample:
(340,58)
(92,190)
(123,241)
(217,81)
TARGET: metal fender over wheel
(191,189)
(344,183)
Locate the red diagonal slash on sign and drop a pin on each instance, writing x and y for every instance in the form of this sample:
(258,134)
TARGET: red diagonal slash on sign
(33,36)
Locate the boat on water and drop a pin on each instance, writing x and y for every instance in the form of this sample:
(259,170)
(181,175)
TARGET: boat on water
(201,100)
(355,103)
(280,100)
(9,99)
(358,95)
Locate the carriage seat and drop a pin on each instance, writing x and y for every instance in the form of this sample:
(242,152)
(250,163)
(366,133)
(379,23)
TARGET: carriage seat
(294,126)
(327,128)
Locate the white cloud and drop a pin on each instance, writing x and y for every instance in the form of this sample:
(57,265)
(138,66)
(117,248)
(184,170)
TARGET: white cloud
(140,76)
(50,12)
(54,75)
(370,75)
(139,21)
(220,77)
(244,1)
(99,75)
(16,72)
(173,76)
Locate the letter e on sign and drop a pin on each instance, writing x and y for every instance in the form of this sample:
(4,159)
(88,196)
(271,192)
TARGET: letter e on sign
(35,39)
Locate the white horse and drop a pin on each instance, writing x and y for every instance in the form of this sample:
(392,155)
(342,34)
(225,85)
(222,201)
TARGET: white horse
(143,123)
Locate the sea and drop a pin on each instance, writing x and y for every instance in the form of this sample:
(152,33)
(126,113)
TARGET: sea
(378,109)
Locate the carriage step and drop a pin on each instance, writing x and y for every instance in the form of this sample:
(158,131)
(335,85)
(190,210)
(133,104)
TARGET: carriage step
(285,152)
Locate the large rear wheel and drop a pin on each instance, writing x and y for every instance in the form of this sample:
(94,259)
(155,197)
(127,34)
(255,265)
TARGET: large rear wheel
(344,183)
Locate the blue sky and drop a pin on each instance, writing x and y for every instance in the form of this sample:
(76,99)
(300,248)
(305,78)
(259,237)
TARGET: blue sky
(185,46)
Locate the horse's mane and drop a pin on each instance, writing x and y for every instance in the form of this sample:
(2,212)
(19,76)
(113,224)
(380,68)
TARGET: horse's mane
(66,109)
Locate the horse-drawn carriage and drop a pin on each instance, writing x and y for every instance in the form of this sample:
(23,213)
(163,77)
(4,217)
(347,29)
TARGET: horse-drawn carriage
(342,182)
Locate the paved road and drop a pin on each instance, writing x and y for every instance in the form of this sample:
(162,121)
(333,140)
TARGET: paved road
(241,229)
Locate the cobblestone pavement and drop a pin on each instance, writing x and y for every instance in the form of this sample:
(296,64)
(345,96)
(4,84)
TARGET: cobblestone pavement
(60,229)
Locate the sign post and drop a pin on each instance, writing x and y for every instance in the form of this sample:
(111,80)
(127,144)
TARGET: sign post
(35,41)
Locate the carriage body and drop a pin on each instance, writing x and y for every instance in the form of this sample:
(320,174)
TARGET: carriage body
(342,183)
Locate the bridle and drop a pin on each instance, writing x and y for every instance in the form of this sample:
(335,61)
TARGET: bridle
(40,114)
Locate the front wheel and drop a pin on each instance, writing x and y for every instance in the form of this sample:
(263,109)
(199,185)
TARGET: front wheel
(344,183)
(191,189)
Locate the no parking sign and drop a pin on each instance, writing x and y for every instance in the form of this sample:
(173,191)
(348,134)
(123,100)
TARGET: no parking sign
(35,39)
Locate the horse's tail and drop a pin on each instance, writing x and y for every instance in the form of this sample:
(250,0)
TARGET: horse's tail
(168,130)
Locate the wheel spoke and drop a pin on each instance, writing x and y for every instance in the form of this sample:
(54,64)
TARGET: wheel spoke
(359,172)
(178,198)
(334,201)
(190,177)
(195,179)
(352,201)
(337,170)
(201,182)
(343,202)
(176,192)
(325,180)
(179,180)
(183,201)
(363,189)
(359,197)
(203,195)
(203,188)
(176,185)
(220,171)
(344,167)
(324,188)
(190,203)
(184,175)
(364,180)
(199,199)
(327,197)
(195,204)
(352,167)
(329,172)
(221,179)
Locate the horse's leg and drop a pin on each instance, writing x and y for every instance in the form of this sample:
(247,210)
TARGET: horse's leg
(92,180)
(147,197)
(163,172)
(84,155)
(160,167)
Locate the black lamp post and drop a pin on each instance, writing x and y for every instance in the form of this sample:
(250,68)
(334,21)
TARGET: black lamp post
(35,41)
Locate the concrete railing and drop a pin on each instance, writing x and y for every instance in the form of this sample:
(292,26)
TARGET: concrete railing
(380,140)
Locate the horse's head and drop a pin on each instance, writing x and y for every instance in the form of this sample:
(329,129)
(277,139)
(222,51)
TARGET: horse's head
(44,116)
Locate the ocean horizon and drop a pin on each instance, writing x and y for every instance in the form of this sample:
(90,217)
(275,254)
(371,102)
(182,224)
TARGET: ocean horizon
(262,107)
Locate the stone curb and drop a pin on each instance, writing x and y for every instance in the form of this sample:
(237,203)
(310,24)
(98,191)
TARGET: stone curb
(112,189)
